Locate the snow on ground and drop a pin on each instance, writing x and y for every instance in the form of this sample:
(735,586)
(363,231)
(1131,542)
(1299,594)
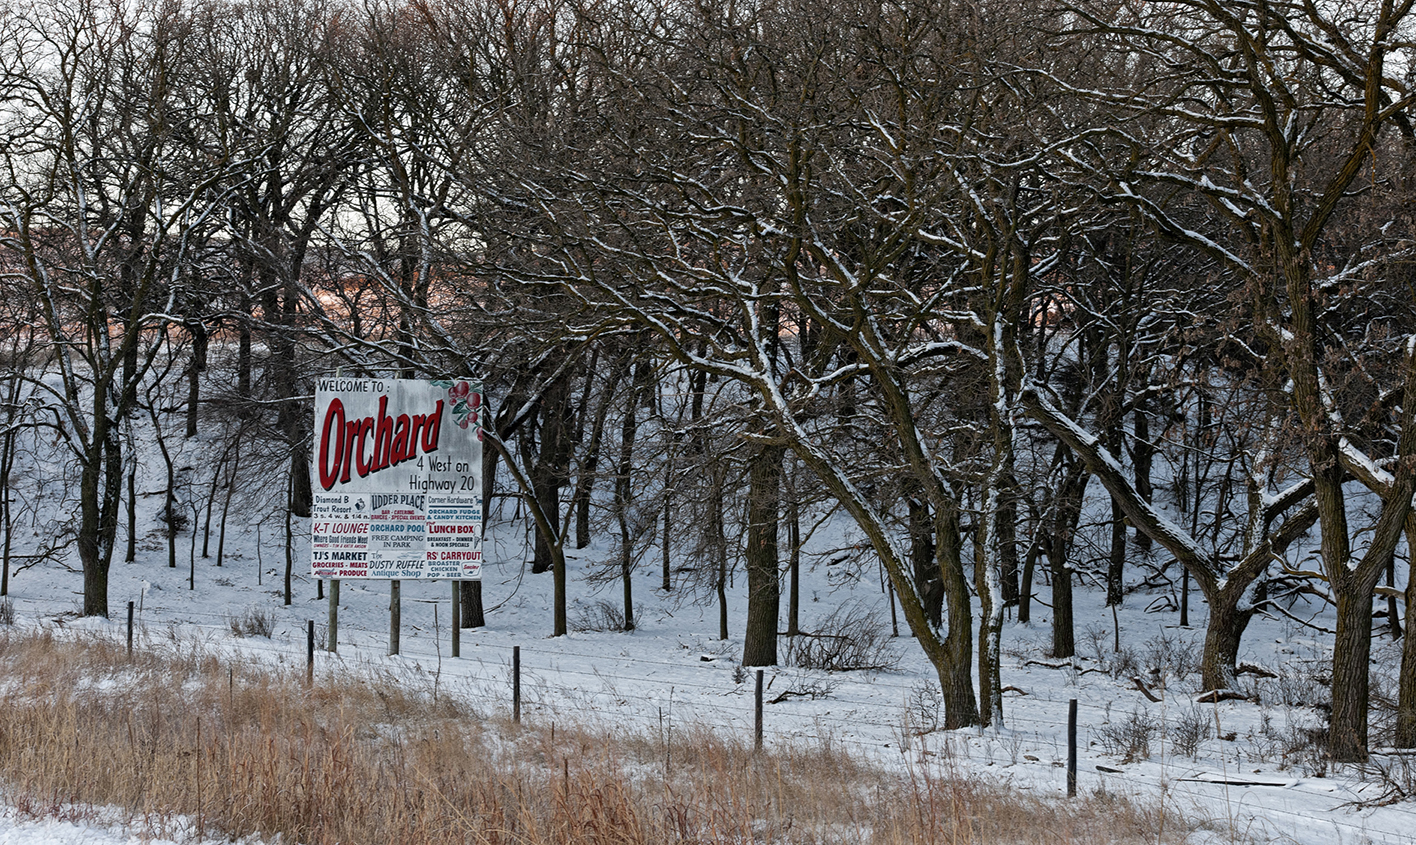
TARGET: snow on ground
(673,672)
(79,828)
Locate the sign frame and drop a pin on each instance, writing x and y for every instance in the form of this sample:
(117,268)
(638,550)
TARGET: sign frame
(397,472)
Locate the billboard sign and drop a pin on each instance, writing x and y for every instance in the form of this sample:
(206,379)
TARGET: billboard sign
(398,479)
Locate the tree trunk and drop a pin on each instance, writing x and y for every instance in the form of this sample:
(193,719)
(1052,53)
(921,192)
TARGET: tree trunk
(956,672)
(473,612)
(549,471)
(793,560)
(990,621)
(1025,589)
(1064,643)
(1393,615)
(629,428)
(1116,558)
(922,557)
(544,526)
(1351,662)
(289,560)
(585,479)
(1006,527)
(132,474)
(169,506)
(667,584)
(302,496)
(211,504)
(195,367)
(1406,695)
(230,486)
(100,485)
(1223,632)
(7,459)
(243,341)
(759,646)
(1142,458)
(719,540)
(666,547)
(1065,515)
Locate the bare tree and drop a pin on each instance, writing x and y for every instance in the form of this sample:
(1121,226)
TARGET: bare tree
(102,202)
(1272,122)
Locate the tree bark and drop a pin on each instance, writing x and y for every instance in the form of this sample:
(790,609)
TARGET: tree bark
(956,672)
(1351,666)
(629,428)
(1406,695)
(719,540)
(1116,558)
(1067,506)
(549,471)
(473,612)
(1142,459)
(195,367)
(1007,534)
(585,478)
(759,647)
(1223,633)
(794,558)
(922,557)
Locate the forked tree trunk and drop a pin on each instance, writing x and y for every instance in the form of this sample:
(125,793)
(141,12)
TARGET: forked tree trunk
(100,485)
(589,465)
(1353,589)
(1223,633)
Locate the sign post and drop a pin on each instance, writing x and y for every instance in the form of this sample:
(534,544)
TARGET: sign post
(333,616)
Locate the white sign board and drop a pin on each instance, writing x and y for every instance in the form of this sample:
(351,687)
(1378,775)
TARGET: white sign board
(398,475)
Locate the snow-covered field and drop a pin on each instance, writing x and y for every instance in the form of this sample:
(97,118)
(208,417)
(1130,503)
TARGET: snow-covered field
(1245,774)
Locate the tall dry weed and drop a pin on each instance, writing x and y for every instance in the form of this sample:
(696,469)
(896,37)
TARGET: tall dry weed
(241,749)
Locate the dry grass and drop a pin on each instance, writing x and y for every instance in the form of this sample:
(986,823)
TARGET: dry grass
(241,750)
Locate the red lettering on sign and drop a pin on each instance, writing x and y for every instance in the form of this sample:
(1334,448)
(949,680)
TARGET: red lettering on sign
(345,445)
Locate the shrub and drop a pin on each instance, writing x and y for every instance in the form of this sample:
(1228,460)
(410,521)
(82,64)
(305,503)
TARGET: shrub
(1169,656)
(253,623)
(599,616)
(922,708)
(1190,731)
(1129,740)
(851,637)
